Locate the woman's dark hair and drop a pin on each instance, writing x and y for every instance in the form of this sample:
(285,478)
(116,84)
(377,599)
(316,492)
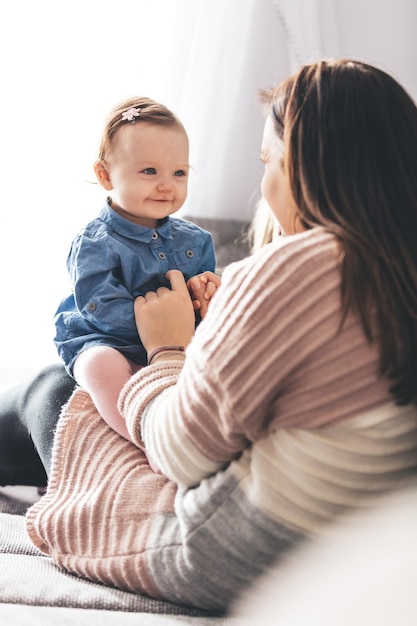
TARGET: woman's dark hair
(350,137)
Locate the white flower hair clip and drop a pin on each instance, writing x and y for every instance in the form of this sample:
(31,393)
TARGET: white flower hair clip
(130,115)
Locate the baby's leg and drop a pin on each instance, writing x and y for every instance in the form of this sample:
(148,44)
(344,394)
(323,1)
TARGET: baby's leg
(103,371)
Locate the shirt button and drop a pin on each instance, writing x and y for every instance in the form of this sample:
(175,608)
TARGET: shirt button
(155,235)
(190,254)
(161,255)
(91,306)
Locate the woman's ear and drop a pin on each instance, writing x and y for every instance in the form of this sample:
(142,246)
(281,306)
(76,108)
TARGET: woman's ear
(101,170)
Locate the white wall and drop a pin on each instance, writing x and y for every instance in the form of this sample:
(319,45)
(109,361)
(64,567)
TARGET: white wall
(384,33)
(381,32)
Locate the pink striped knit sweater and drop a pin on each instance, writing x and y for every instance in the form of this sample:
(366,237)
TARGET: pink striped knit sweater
(275,424)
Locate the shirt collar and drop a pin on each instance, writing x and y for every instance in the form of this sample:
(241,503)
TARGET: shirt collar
(124,227)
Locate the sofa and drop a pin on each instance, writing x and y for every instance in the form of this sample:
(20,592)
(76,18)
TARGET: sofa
(34,591)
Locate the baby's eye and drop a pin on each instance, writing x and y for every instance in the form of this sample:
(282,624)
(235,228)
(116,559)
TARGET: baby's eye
(149,170)
(180,173)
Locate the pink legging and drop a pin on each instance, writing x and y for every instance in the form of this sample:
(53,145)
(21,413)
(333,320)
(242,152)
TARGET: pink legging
(103,371)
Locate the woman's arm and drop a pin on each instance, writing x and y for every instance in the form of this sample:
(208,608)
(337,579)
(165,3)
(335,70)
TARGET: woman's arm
(165,318)
(257,361)
(153,403)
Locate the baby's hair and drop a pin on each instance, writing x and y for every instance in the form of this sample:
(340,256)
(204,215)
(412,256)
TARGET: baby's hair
(144,110)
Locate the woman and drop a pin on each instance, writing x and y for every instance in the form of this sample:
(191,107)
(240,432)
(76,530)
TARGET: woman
(295,399)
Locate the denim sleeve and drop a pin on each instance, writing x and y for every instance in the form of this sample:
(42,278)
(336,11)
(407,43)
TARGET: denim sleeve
(208,257)
(100,295)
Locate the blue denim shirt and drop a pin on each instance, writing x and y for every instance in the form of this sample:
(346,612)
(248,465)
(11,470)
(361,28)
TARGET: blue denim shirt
(110,263)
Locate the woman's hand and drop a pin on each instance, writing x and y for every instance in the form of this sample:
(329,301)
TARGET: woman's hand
(165,317)
(202,288)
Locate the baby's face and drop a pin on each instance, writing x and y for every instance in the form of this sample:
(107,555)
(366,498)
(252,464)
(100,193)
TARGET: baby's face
(148,171)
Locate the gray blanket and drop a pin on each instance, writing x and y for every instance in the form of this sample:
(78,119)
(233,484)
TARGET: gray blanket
(29,578)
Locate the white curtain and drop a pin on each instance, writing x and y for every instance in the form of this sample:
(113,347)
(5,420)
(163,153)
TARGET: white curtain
(225,51)
(310,27)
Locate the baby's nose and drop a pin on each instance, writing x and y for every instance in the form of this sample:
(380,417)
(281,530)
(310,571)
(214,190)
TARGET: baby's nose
(164,183)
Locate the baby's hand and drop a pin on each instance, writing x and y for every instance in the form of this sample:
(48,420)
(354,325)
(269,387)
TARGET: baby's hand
(202,288)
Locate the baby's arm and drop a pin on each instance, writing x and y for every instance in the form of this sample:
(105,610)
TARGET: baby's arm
(202,288)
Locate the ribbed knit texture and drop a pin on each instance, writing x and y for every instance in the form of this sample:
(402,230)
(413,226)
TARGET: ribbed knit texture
(269,355)
(289,408)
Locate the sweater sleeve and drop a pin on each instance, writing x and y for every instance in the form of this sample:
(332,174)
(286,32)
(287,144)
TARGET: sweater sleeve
(197,418)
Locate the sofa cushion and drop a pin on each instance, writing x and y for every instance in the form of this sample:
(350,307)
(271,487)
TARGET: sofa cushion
(230,238)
